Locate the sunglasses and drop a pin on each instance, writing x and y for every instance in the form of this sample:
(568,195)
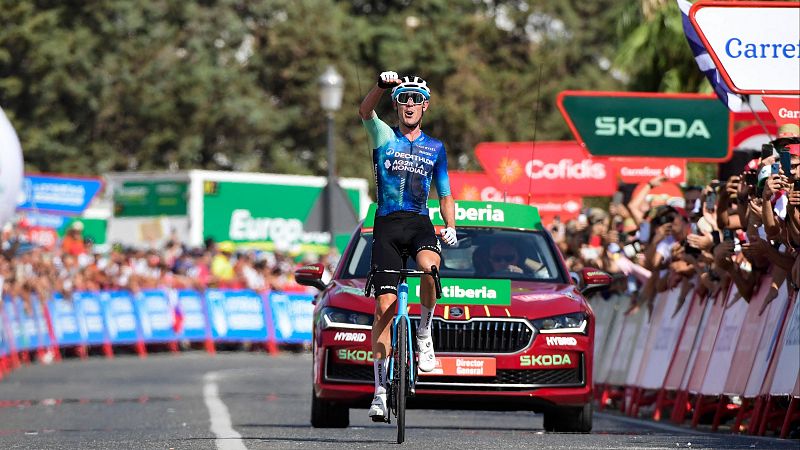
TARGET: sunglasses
(503,258)
(415,97)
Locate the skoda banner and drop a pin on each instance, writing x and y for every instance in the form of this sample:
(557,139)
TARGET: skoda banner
(273,215)
(545,168)
(694,126)
(10,168)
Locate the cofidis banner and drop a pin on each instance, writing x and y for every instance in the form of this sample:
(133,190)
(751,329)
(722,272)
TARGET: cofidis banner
(293,315)
(236,315)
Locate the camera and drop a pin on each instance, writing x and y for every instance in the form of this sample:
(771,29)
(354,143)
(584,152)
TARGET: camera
(728,235)
(630,250)
(767,151)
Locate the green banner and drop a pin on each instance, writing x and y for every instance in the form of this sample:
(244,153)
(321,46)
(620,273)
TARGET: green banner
(666,125)
(273,215)
(96,229)
(479,214)
(467,291)
(150,198)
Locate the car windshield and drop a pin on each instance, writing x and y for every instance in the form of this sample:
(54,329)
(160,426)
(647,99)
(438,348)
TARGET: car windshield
(481,253)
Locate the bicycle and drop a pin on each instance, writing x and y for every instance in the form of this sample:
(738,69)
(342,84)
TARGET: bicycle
(402,372)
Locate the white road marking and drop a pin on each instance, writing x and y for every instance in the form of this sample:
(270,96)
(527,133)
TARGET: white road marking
(227,437)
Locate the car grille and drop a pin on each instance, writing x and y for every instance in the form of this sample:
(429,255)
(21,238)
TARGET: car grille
(479,335)
(506,379)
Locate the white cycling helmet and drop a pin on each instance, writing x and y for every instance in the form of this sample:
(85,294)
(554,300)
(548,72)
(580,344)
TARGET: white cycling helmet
(411,84)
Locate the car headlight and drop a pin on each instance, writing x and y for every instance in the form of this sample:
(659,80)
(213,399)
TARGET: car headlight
(342,318)
(567,323)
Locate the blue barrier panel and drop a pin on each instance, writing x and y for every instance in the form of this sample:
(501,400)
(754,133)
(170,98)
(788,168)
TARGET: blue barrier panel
(27,321)
(91,321)
(293,316)
(43,334)
(192,309)
(5,347)
(120,314)
(15,334)
(156,315)
(236,315)
(65,321)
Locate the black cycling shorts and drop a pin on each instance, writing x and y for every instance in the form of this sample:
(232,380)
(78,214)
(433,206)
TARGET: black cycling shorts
(399,233)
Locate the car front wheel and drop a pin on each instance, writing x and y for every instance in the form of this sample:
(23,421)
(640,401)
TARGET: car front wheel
(326,414)
(569,420)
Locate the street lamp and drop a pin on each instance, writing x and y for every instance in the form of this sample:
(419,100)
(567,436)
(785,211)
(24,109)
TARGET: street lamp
(331,88)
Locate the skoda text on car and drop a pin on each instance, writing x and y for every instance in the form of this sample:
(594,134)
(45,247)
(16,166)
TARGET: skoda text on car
(507,336)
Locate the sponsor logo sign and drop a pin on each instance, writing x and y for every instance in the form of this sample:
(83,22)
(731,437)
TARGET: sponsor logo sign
(293,315)
(695,126)
(156,316)
(544,360)
(60,195)
(561,340)
(65,321)
(91,319)
(192,306)
(479,214)
(463,367)
(641,170)
(551,168)
(239,212)
(784,109)
(150,198)
(236,315)
(346,336)
(353,355)
(467,291)
(755,45)
(120,316)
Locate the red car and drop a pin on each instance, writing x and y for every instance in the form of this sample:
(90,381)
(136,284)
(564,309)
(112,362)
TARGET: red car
(512,331)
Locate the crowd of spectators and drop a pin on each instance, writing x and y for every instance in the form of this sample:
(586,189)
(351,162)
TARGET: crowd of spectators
(735,230)
(28,271)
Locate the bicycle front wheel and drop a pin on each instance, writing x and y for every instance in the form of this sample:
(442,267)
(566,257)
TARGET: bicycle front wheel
(401,378)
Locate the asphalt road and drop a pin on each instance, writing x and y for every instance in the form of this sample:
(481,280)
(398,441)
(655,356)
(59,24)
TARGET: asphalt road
(254,401)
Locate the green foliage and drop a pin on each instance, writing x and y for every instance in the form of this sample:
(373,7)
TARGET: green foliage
(232,84)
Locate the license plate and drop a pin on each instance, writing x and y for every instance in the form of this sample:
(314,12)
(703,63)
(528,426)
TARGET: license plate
(454,366)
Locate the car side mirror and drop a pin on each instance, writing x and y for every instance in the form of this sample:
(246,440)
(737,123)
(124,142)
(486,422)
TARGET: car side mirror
(310,275)
(593,280)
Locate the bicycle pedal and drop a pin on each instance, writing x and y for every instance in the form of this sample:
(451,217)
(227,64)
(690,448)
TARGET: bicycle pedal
(380,419)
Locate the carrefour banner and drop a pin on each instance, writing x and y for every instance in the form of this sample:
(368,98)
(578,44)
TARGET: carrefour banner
(66,327)
(190,315)
(91,321)
(238,212)
(293,316)
(120,317)
(61,195)
(156,315)
(236,315)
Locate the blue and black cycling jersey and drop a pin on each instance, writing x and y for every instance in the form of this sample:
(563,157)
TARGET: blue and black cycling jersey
(404,169)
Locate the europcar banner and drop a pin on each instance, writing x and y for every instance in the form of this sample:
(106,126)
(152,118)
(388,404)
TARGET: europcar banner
(120,317)
(293,316)
(545,168)
(10,168)
(754,44)
(58,194)
(236,315)
(64,317)
(91,319)
(695,126)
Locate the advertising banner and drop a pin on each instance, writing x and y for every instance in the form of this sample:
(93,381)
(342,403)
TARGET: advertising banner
(5,347)
(722,354)
(91,320)
(65,321)
(156,315)
(242,213)
(120,317)
(750,59)
(191,309)
(549,168)
(293,316)
(664,340)
(768,343)
(681,361)
(58,194)
(467,291)
(10,168)
(603,363)
(694,126)
(787,369)
(151,198)
(623,352)
(16,329)
(27,318)
(236,315)
(642,170)
(784,109)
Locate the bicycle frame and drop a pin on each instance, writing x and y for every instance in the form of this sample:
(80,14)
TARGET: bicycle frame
(402,314)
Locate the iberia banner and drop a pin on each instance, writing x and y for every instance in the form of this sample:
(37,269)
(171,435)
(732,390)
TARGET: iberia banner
(546,168)
(467,291)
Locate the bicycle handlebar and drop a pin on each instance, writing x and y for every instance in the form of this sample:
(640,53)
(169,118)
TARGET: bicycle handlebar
(434,273)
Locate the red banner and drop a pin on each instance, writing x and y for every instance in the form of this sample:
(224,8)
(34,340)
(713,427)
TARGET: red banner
(478,186)
(548,168)
(783,109)
(641,170)
(463,367)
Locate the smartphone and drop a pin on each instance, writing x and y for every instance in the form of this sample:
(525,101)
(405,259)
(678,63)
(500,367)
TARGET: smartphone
(786,163)
(711,201)
(776,168)
(767,151)
(617,198)
(728,235)
(750,178)
(796,185)
(689,249)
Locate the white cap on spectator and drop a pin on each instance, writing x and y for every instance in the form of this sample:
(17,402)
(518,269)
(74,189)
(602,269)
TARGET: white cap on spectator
(679,202)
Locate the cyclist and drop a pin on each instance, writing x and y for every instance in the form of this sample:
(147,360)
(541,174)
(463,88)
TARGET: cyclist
(405,161)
